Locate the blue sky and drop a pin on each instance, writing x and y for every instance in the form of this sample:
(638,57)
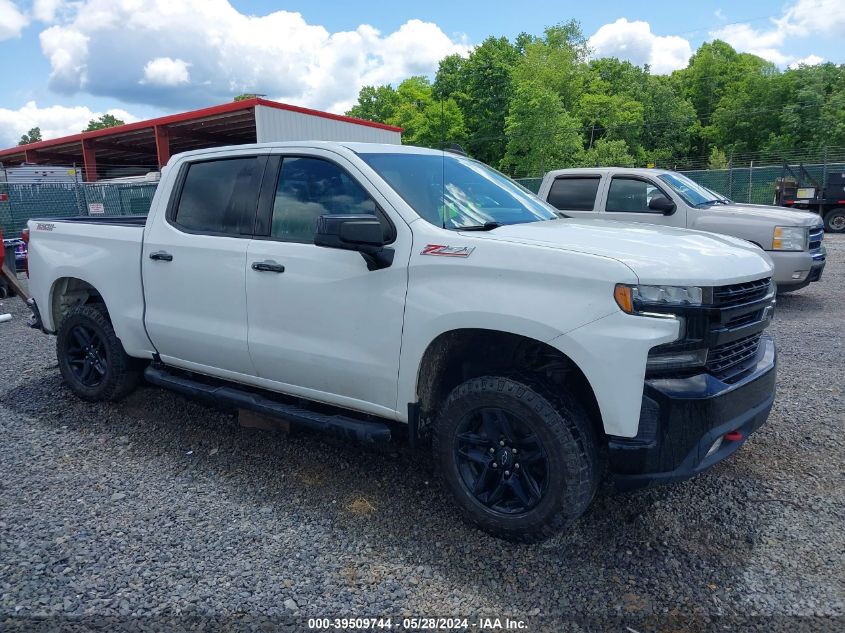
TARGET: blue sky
(75,59)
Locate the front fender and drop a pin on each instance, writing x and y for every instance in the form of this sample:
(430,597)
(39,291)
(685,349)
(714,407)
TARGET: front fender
(612,353)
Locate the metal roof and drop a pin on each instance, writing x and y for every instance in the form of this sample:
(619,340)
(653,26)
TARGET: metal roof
(135,143)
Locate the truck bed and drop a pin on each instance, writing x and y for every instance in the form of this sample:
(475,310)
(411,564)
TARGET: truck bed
(103,252)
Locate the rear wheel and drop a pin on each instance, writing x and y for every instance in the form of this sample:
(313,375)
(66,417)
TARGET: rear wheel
(834,220)
(520,463)
(91,357)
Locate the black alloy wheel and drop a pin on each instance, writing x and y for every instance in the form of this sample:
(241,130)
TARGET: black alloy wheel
(86,355)
(501,461)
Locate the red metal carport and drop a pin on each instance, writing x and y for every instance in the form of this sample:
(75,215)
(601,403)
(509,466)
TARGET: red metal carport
(148,145)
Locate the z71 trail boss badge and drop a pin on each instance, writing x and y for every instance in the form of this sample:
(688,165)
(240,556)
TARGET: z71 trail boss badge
(447,251)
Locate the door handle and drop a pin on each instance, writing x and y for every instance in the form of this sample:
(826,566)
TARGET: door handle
(268,266)
(161,256)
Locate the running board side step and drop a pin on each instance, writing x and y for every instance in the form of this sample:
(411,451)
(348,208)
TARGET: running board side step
(339,425)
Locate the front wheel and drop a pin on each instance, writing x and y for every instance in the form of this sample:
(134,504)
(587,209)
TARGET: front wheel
(520,463)
(834,220)
(91,357)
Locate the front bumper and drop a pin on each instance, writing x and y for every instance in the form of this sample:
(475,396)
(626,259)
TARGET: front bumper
(682,418)
(796,269)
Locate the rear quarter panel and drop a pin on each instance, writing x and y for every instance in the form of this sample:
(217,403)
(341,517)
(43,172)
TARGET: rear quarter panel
(105,256)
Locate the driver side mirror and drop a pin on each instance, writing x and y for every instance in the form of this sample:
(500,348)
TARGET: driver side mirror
(362,233)
(661,204)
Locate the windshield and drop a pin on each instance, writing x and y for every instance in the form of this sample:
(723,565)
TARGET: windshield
(456,192)
(693,194)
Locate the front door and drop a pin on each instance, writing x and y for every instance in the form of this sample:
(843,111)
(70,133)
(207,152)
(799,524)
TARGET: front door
(321,325)
(194,267)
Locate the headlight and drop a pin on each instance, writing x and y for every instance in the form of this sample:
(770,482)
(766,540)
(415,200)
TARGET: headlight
(789,238)
(626,296)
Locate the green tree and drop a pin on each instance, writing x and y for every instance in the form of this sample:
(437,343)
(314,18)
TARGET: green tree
(811,111)
(487,90)
(375,104)
(718,159)
(33,136)
(450,77)
(106,120)
(556,61)
(541,134)
(426,122)
(605,153)
(670,127)
(611,117)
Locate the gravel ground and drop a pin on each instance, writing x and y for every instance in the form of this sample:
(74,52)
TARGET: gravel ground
(158,510)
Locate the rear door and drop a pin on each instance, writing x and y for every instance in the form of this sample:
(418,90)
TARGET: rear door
(575,195)
(194,266)
(628,198)
(321,325)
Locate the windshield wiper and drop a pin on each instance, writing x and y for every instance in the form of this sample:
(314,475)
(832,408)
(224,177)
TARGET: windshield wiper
(701,204)
(487,226)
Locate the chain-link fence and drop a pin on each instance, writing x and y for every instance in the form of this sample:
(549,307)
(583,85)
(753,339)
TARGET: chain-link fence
(20,202)
(748,177)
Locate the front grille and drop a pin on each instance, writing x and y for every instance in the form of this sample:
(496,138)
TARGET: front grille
(737,294)
(730,360)
(744,319)
(816,236)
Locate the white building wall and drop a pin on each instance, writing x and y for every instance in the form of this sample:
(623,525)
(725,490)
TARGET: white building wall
(274,124)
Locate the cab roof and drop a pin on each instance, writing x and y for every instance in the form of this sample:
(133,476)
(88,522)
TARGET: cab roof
(637,171)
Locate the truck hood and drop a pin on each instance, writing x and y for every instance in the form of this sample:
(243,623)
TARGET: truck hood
(777,216)
(656,254)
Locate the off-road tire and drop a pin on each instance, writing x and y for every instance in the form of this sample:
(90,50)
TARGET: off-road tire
(122,372)
(573,470)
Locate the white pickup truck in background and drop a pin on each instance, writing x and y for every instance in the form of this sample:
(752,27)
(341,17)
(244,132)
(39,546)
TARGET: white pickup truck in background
(793,239)
(393,286)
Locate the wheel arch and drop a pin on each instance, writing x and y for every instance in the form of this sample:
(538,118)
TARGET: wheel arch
(68,292)
(460,354)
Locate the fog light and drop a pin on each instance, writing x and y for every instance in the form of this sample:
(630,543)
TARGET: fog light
(796,275)
(675,360)
(714,448)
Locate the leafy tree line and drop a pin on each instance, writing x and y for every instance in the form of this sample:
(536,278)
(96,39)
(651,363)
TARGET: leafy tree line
(106,120)
(539,102)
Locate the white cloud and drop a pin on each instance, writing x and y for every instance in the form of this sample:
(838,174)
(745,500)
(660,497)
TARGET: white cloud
(809,60)
(804,18)
(46,10)
(54,121)
(104,47)
(764,43)
(814,17)
(634,41)
(164,71)
(12,20)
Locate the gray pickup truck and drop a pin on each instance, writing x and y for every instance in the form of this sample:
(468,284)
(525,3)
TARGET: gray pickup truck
(793,239)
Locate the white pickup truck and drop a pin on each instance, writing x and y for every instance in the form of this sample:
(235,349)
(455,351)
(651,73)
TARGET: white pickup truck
(362,289)
(793,239)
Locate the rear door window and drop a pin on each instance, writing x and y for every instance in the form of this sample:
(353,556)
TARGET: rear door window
(219,197)
(574,193)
